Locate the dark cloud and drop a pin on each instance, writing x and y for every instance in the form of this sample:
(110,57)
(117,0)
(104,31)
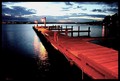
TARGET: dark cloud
(85,2)
(108,3)
(17,10)
(22,11)
(98,10)
(99,16)
(79,6)
(13,18)
(6,10)
(3,6)
(111,4)
(68,3)
(85,14)
(112,10)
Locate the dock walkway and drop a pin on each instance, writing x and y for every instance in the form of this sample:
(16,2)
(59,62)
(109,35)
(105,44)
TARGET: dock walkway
(97,61)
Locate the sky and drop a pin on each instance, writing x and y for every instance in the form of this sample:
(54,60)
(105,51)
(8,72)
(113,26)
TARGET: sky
(58,11)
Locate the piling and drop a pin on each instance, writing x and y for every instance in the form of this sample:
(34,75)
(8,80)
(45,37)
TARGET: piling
(88,31)
(78,31)
(71,31)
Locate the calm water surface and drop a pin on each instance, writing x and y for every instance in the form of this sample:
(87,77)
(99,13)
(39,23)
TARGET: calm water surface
(24,56)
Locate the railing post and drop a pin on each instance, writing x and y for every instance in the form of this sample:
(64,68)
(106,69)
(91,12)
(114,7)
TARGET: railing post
(88,31)
(78,30)
(71,31)
(61,27)
(66,32)
(66,26)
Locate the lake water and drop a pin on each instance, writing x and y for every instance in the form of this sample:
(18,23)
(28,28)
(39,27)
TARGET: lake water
(24,56)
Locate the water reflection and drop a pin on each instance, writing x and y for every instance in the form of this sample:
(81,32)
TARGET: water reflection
(41,56)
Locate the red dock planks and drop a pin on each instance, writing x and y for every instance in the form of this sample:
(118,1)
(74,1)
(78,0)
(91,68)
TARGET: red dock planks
(97,61)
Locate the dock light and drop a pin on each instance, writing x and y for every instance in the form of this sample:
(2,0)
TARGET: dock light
(44,20)
(36,22)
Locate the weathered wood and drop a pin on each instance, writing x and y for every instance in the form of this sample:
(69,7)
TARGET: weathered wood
(97,61)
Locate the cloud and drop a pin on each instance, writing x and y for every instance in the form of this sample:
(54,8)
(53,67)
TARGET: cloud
(111,9)
(98,10)
(84,9)
(99,16)
(66,8)
(68,3)
(105,10)
(15,13)
(111,3)
(13,18)
(79,6)
(17,10)
(85,14)
(22,11)
(3,6)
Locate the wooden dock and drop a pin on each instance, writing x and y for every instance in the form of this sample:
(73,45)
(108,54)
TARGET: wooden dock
(97,61)
(67,30)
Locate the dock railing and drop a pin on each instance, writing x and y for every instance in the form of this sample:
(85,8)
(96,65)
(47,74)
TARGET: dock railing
(67,30)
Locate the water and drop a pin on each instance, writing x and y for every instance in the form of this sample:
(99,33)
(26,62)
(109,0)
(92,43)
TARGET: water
(24,57)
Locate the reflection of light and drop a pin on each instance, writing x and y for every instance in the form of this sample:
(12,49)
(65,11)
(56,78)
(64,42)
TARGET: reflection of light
(43,52)
(39,49)
(41,55)
(103,31)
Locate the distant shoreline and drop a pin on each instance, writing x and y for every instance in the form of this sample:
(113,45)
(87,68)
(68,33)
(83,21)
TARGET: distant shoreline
(90,23)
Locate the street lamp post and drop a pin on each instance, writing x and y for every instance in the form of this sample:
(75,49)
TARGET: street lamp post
(44,20)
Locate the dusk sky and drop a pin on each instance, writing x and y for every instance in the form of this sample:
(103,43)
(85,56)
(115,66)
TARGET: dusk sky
(58,11)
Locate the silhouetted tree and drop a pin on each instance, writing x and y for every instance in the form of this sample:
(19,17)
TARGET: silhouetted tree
(111,24)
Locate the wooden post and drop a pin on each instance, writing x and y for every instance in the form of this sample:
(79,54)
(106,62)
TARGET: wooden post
(66,26)
(66,32)
(49,27)
(45,21)
(71,31)
(55,26)
(58,28)
(61,27)
(88,31)
(78,30)
(82,75)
